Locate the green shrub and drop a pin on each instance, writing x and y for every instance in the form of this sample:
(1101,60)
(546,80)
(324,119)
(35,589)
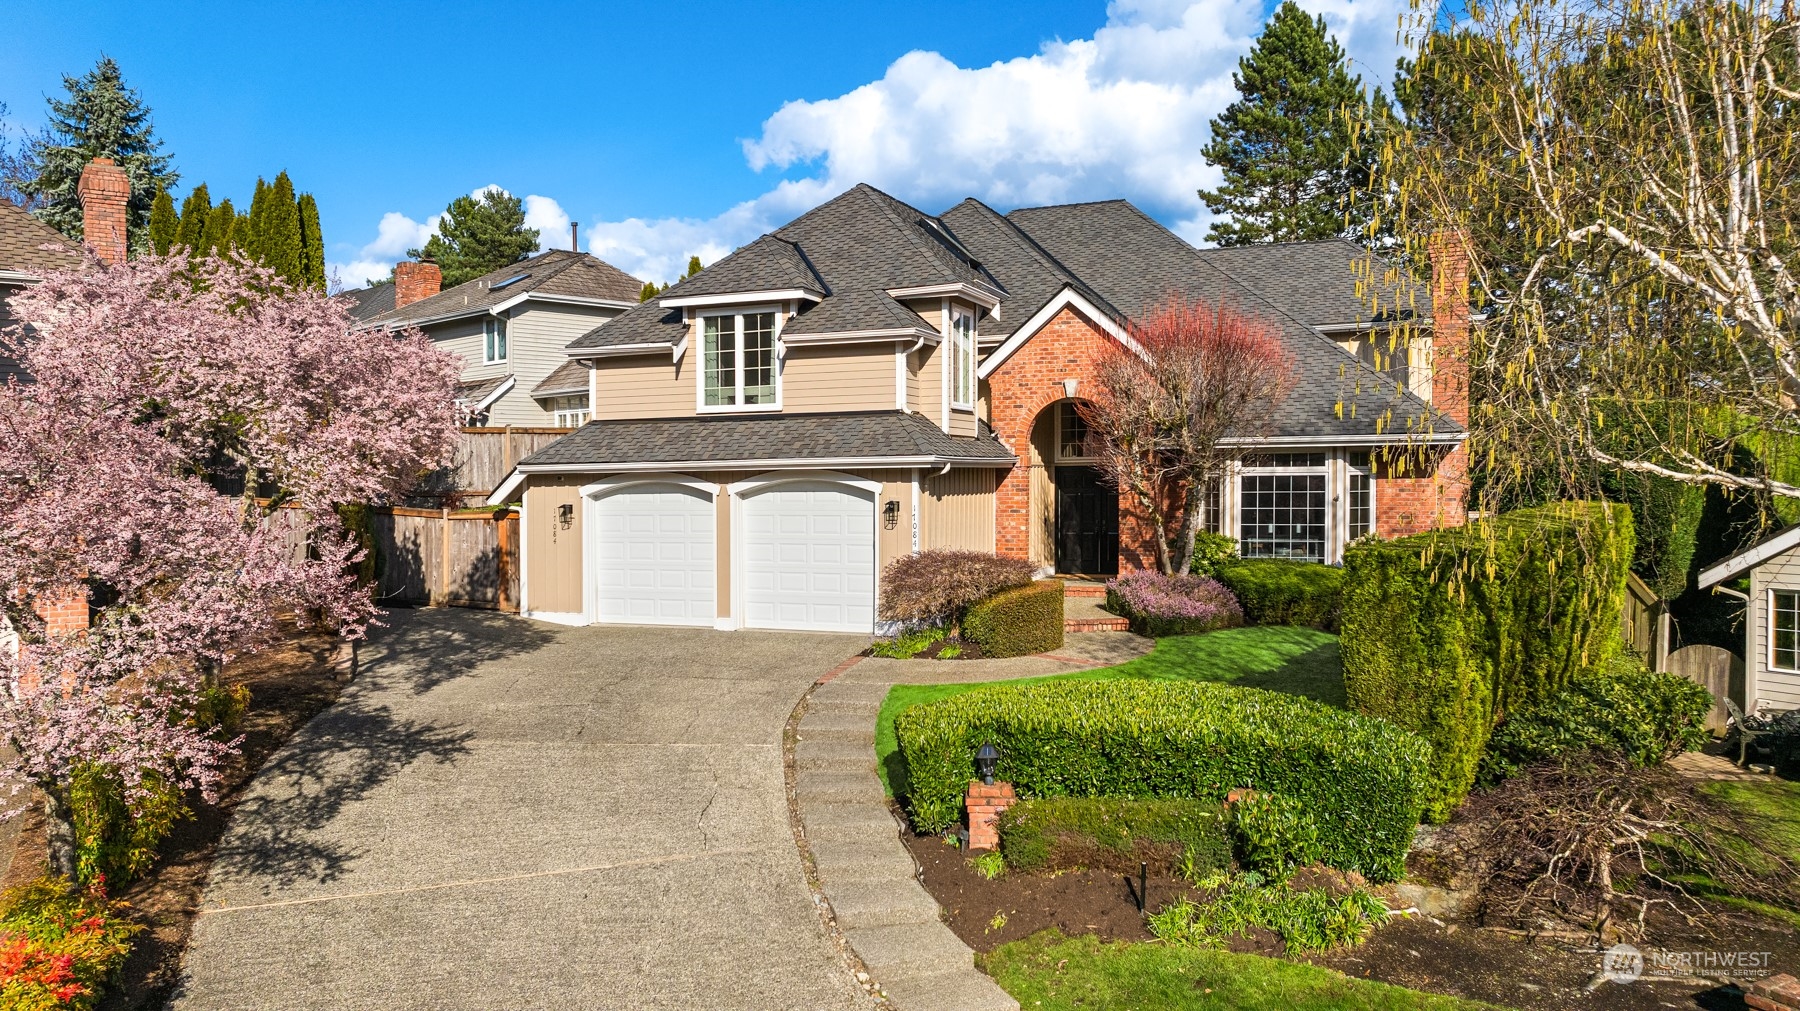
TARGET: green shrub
(1277,591)
(115,836)
(1211,553)
(936,587)
(1273,834)
(1113,833)
(1362,780)
(1445,632)
(1312,919)
(59,948)
(1651,717)
(1018,622)
(221,708)
(907,645)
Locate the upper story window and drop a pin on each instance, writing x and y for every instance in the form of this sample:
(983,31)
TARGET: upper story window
(962,359)
(493,340)
(738,360)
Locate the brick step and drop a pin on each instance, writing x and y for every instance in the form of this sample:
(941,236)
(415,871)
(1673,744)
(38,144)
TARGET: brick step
(1084,590)
(1096,625)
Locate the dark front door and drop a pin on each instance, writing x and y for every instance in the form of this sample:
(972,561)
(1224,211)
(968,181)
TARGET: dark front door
(1087,523)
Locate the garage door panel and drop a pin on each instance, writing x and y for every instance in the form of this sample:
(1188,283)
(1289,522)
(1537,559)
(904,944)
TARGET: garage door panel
(810,558)
(656,556)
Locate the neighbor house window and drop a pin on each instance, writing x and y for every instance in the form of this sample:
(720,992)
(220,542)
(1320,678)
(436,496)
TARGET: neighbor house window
(1071,434)
(738,358)
(1281,506)
(1361,496)
(962,359)
(570,411)
(1784,628)
(493,334)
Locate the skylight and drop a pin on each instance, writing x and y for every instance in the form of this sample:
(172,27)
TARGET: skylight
(515,279)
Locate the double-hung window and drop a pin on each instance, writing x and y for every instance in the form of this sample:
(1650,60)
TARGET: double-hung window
(1361,496)
(1281,506)
(962,359)
(738,360)
(1784,629)
(493,335)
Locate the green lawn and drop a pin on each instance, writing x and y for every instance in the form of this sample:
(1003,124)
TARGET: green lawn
(1048,972)
(1768,812)
(1299,661)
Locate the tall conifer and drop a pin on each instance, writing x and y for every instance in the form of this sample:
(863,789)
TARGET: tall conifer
(196,208)
(219,225)
(249,235)
(163,223)
(279,233)
(477,235)
(312,245)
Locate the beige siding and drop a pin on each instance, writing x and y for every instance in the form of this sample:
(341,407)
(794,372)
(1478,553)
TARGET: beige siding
(852,377)
(1043,490)
(643,386)
(1780,689)
(930,372)
(957,510)
(722,545)
(552,563)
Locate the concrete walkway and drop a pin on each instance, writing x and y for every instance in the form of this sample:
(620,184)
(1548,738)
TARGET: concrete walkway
(852,838)
(503,814)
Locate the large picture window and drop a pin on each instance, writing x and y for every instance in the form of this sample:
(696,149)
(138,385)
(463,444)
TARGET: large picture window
(962,359)
(738,360)
(1282,507)
(1784,630)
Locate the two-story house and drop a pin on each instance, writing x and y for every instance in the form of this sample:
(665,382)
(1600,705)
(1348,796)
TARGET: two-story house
(510,328)
(869,381)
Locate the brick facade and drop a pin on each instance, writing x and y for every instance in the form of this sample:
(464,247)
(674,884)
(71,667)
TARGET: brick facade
(104,191)
(64,613)
(985,802)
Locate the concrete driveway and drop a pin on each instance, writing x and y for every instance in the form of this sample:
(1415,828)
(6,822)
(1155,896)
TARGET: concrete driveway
(504,814)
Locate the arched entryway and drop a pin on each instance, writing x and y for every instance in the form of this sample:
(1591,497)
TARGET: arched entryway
(1075,513)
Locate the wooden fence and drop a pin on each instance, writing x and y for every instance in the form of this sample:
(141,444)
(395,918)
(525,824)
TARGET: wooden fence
(483,458)
(438,557)
(1716,669)
(1645,622)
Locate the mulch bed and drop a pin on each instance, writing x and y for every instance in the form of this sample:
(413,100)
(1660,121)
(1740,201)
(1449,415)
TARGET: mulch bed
(968,650)
(1502,968)
(288,684)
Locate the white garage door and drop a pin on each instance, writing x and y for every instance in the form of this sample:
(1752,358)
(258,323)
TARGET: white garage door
(809,558)
(655,564)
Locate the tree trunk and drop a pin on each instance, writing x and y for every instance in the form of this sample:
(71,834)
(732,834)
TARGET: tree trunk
(59,828)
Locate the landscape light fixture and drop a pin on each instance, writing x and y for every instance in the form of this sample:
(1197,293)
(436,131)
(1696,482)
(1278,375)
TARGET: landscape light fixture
(985,759)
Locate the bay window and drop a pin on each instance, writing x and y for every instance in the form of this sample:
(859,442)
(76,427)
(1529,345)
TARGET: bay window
(962,359)
(1282,506)
(738,360)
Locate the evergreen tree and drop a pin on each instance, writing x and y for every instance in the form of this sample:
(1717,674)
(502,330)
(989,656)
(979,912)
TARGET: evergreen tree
(648,291)
(479,235)
(243,237)
(219,225)
(312,245)
(278,234)
(693,267)
(248,237)
(163,223)
(196,208)
(1287,145)
(100,118)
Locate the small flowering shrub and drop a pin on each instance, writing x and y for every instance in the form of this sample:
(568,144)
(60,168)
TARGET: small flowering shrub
(936,587)
(59,948)
(1158,605)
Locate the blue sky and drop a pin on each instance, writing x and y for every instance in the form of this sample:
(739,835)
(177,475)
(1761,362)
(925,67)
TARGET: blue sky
(672,128)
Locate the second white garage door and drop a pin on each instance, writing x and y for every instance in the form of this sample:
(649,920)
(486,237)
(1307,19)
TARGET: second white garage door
(656,560)
(809,558)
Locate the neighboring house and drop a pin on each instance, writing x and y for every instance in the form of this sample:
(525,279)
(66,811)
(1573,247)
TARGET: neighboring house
(29,248)
(1771,617)
(510,328)
(870,381)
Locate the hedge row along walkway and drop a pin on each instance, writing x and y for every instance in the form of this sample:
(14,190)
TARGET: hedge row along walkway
(850,836)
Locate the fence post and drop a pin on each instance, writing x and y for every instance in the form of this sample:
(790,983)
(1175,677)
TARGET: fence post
(443,595)
(503,568)
(506,454)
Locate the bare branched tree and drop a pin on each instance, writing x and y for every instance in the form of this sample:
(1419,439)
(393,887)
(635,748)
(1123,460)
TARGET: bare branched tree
(1621,171)
(1162,409)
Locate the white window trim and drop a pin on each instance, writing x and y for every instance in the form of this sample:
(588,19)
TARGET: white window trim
(1058,426)
(1351,470)
(944,364)
(699,338)
(957,357)
(1334,499)
(1769,631)
(487,340)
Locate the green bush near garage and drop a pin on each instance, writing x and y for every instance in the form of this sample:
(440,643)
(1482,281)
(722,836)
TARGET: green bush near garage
(1278,591)
(1362,780)
(1017,622)
(1446,632)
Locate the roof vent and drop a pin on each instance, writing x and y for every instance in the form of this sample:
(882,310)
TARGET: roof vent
(515,279)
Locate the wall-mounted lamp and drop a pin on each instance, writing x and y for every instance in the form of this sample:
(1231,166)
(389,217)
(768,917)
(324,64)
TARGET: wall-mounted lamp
(1069,386)
(890,514)
(565,515)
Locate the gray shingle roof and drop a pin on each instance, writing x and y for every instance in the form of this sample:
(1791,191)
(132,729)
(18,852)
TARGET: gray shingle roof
(873,435)
(474,391)
(768,264)
(645,323)
(1325,283)
(367,303)
(556,272)
(1135,263)
(1028,274)
(847,311)
(29,246)
(569,377)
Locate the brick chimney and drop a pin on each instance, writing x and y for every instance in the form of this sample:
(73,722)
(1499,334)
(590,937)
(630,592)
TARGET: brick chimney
(1450,324)
(104,191)
(414,280)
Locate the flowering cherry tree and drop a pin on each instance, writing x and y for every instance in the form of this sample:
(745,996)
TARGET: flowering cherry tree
(1161,412)
(170,406)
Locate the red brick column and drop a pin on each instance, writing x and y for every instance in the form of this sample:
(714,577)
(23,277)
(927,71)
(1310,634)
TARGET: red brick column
(415,280)
(104,191)
(985,802)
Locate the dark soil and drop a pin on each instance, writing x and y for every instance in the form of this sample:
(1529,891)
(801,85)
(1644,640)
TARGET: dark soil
(288,685)
(1482,964)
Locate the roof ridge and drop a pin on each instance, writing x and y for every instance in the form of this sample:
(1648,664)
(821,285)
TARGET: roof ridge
(911,234)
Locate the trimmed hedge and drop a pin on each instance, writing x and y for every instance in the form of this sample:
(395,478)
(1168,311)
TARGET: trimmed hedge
(1018,622)
(1650,716)
(1362,780)
(1112,833)
(1277,591)
(1445,632)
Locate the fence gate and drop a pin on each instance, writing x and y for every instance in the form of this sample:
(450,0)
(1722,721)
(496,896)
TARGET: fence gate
(1716,669)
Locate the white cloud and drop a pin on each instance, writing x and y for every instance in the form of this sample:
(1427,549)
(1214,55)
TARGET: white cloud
(396,233)
(551,221)
(1123,114)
